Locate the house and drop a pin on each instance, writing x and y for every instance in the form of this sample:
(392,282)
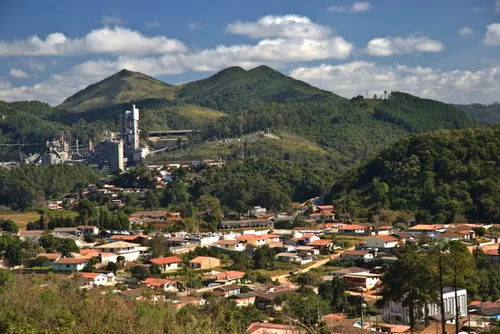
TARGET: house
(227,290)
(352,229)
(243,299)
(492,254)
(396,312)
(385,230)
(246,223)
(103,257)
(32,234)
(90,280)
(355,255)
(325,208)
(349,271)
(49,258)
(129,251)
(55,207)
(323,246)
(138,239)
(322,216)
(231,245)
(204,262)
(294,258)
(167,263)
(88,229)
(69,264)
(161,284)
(289,257)
(362,281)
(307,250)
(450,236)
(309,237)
(157,215)
(385,242)
(230,276)
(66,230)
(403,236)
(425,229)
(258,239)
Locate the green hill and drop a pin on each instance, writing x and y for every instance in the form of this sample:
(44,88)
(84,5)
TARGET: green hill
(444,175)
(235,89)
(488,113)
(107,99)
(121,87)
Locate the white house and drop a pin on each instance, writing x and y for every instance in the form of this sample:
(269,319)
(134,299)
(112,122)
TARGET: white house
(231,245)
(91,280)
(310,237)
(161,284)
(362,281)
(382,242)
(69,264)
(307,250)
(352,229)
(167,263)
(353,255)
(128,250)
(394,311)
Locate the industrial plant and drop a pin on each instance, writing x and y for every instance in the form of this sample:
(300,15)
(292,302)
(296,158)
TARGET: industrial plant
(116,152)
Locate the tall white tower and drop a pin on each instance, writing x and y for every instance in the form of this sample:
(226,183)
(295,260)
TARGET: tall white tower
(130,131)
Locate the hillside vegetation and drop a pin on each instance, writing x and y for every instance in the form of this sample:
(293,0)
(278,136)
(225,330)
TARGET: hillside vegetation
(488,113)
(235,89)
(443,175)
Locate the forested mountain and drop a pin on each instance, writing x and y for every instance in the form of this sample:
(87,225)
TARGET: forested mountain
(235,89)
(488,113)
(444,175)
(345,131)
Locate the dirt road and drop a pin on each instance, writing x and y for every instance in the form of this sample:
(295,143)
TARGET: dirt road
(284,278)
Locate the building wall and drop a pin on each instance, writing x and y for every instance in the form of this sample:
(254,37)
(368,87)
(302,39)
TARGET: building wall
(377,243)
(67,267)
(394,311)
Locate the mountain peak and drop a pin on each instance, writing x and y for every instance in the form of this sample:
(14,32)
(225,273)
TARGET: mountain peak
(123,86)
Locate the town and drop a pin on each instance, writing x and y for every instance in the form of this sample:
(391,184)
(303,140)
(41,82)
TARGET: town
(258,258)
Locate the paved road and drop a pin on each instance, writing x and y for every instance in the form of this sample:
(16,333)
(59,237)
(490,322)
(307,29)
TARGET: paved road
(284,278)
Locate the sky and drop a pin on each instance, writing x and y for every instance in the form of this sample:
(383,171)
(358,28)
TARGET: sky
(447,50)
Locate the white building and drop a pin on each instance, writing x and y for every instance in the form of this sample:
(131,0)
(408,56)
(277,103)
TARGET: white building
(69,264)
(382,242)
(394,311)
(128,250)
(231,245)
(353,255)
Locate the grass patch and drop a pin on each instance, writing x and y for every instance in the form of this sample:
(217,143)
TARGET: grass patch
(21,219)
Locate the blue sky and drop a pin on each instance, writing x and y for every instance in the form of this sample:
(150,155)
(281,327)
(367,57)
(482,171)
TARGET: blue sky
(447,49)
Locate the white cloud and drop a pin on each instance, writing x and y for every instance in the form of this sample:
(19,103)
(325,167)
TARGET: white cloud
(153,24)
(35,65)
(285,26)
(355,78)
(111,20)
(117,40)
(273,52)
(18,73)
(465,32)
(195,25)
(492,35)
(387,46)
(356,7)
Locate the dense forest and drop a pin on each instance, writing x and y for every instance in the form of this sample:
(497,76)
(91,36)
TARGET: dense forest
(25,187)
(488,113)
(442,175)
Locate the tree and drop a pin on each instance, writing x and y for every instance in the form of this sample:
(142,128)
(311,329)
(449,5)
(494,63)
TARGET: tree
(89,238)
(242,261)
(89,267)
(438,269)
(85,211)
(13,255)
(264,258)
(158,244)
(151,201)
(5,277)
(139,272)
(112,266)
(155,269)
(407,281)
(334,292)
(8,225)
(461,266)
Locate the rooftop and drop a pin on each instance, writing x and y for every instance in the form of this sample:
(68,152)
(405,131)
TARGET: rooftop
(166,260)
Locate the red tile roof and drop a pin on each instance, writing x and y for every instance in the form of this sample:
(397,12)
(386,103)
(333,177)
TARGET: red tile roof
(319,243)
(352,227)
(50,256)
(386,238)
(231,274)
(70,260)
(157,281)
(166,260)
